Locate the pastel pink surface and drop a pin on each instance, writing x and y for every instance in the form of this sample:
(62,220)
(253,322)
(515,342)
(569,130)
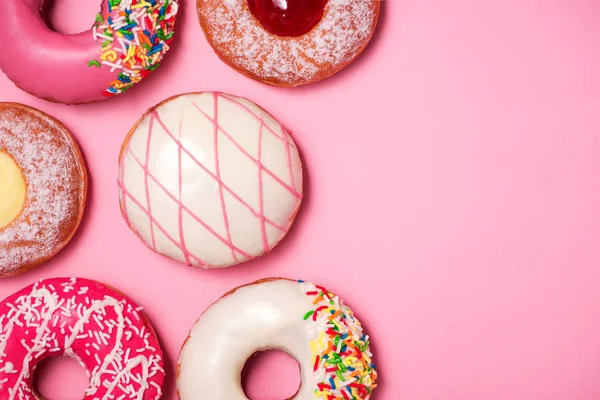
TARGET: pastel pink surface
(453,196)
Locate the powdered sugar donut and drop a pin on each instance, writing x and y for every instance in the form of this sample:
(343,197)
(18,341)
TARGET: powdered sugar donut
(306,321)
(209,179)
(86,320)
(43,187)
(128,40)
(288,43)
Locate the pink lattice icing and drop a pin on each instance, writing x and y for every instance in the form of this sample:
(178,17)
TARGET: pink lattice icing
(210,180)
(88,321)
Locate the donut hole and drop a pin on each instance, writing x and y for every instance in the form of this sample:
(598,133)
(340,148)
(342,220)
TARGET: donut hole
(271,375)
(60,378)
(288,17)
(70,16)
(12,189)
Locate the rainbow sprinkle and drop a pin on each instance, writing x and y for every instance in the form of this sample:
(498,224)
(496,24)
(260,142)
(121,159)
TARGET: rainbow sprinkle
(135,36)
(340,349)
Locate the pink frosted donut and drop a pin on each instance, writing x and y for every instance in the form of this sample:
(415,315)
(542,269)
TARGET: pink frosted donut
(128,40)
(86,320)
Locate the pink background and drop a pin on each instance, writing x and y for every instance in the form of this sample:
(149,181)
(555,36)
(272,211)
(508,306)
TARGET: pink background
(453,198)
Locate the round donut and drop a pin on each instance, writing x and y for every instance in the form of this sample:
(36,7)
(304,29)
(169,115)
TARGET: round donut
(85,320)
(288,43)
(128,40)
(43,187)
(209,179)
(308,322)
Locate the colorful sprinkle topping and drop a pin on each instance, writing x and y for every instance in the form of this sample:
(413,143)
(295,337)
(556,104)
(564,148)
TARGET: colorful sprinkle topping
(340,349)
(135,36)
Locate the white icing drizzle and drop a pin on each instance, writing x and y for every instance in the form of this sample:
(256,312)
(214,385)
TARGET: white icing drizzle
(126,359)
(49,163)
(341,34)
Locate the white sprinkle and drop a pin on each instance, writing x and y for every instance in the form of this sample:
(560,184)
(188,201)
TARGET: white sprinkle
(103,339)
(98,322)
(8,367)
(105,37)
(39,353)
(346,383)
(112,65)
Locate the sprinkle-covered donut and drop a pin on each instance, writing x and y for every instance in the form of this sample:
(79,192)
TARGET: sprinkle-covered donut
(288,43)
(127,41)
(308,322)
(209,179)
(85,320)
(43,187)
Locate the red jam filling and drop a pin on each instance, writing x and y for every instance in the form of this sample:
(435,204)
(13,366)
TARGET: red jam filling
(288,17)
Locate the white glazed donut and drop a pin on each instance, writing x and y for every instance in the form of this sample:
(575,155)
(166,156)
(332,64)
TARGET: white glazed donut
(209,179)
(306,321)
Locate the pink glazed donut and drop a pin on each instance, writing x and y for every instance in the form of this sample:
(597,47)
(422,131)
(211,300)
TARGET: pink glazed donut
(86,320)
(127,42)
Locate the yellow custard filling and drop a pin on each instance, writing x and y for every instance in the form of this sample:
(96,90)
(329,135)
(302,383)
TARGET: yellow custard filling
(12,190)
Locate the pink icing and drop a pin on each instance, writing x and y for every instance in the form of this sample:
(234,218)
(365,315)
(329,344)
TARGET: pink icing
(218,175)
(88,321)
(51,65)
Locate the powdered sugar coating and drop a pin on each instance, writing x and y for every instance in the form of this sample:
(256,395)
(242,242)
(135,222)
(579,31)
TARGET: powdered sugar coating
(85,320)
(239,38)
(52,169)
